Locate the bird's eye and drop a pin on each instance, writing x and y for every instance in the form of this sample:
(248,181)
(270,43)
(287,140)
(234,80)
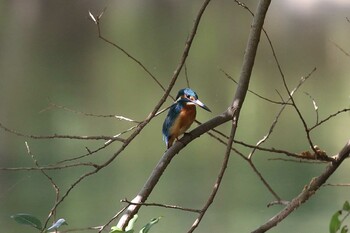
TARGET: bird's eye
(188,96)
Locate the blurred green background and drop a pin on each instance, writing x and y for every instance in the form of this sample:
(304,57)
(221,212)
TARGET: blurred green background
(49,51)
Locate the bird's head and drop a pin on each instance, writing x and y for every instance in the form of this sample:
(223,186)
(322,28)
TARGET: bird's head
(189,97)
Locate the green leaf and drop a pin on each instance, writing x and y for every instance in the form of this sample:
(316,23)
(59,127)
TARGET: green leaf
(115,229)
(128,229)
(335,222)
(131,223)
(148,226)
(57,224)
(346,206)
(344,229)
(27,219)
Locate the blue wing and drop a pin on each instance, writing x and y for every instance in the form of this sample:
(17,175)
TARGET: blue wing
(173,113)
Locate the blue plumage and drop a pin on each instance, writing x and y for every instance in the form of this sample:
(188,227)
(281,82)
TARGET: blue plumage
(181,115)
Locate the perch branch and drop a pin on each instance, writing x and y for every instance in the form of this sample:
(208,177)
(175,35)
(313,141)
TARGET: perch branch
(232,111)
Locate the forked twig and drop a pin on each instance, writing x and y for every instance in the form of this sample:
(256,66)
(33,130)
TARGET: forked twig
(308,190)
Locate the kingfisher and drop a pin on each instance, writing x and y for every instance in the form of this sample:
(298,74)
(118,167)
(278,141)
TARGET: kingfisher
(181,115)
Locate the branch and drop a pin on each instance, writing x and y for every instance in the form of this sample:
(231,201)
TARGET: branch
(54,105)
(253,92)
(57,136)
(162,205)
(96,20)
(238,100)
(308,190)
(157,172)
(232,113)
(329,117)
(302,80)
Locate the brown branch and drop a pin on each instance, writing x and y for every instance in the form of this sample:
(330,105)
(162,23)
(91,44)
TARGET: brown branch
(165,160)
(308,190)
(54,185)
(274,123)
(302,160)
(162,205)
(51,167)
(97,22)
(58,136)
(315,107)
(54,105)
(329,117)
(253,92)
(337,185)
(340,48)
(301,117)
(220,176)
(240,94)
(113,218)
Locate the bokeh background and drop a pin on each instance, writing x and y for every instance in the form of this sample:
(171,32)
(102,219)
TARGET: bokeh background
(49,51)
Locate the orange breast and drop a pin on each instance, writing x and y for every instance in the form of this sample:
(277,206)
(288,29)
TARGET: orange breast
(184,120)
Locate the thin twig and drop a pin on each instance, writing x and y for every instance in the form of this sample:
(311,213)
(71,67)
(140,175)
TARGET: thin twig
(274,123)
(58,136)
(97,21)
(51,105)
(162,205)
(301,160)
(253,92)
(219,177)
(186,76)
(308,191)
(53,183)
(329,117)
(51,167)
(81,229)
(113,218)
(337,185)
(340,48)
(155,176)
(301,117)
(238,100)
(315,106)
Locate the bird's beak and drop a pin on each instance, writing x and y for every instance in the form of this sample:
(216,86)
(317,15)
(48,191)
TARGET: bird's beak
(200,104)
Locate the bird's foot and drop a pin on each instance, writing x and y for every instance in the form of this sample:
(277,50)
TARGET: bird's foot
(188,135)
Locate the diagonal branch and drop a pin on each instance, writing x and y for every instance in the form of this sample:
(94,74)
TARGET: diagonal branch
(308,190)
(232,113)
(237,103)
(58,136)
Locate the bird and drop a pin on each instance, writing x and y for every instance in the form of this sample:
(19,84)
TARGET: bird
(181,115)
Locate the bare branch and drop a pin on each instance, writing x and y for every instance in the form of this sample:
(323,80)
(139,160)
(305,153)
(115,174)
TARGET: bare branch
(54,105)
(58,136)
(162,205)
(315,106)
(278,202)
(240,94)
(186,76)
(54,185)
(341,49)
(301,117)
(302,80)
(308,190)
(337,185)
(301,160)
(329,117)
(53,167)
(113,218)
(254,93)
(165,160)
(97,22)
